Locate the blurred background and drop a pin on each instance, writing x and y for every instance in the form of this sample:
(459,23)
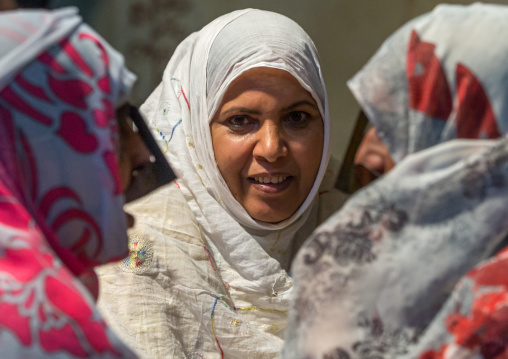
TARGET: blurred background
(346,33)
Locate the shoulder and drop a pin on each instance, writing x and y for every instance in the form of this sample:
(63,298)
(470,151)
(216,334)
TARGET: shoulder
(166,212)
(166,239)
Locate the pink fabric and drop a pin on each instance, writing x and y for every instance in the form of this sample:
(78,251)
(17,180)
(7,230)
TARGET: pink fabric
(61,208)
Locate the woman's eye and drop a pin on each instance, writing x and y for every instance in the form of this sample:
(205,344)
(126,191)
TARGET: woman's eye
(298,118)
(239,123)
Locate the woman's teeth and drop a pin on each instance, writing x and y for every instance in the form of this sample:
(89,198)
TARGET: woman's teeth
(278,179)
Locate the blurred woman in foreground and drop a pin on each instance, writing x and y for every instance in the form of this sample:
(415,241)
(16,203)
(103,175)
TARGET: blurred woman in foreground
(415,265)
(68,152)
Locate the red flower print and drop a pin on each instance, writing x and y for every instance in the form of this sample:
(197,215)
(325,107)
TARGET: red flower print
(73,131)
(434,354)
(111,160)
(72,92)
(74,55)
(71,304)
(475,117)
(428,87)
(13,99)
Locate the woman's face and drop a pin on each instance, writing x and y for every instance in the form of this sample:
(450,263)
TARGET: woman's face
(132,151)
(373,155)
(268,142)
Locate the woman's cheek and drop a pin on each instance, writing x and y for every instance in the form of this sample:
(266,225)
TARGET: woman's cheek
(125,170)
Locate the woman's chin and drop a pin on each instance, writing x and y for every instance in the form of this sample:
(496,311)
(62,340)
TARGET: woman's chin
(272,216)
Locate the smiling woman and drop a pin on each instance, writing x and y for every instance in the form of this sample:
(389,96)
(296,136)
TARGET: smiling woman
(243,113)
(268,141)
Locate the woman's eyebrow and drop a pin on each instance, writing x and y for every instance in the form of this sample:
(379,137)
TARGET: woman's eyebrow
(249,111)
(298,104)
(241,110)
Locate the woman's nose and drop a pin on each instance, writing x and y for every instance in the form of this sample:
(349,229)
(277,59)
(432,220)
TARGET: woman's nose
(270,143)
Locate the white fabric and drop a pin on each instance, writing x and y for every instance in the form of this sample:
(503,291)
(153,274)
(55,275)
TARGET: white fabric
(377,275)
(378,279)
(250,257)
(163,308)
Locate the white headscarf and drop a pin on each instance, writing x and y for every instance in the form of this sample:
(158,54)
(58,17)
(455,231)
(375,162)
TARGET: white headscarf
(217,284)
(181,108)
(378,278)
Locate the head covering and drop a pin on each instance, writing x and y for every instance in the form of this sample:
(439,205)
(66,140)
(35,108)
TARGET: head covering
(182,107)
(60,194)
(196,79)
(379,278)
(203,259)
(429,83)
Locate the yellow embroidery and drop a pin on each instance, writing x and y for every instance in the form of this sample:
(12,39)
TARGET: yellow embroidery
(140,256)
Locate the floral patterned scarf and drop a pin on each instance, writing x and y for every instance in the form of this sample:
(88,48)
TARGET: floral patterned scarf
(60,194)
(415,265)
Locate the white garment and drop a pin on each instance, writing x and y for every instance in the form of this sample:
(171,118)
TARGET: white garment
(162,308)
(249,289)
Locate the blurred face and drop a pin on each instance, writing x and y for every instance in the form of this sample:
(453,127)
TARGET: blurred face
(268,142)
(132,152)
(373,157)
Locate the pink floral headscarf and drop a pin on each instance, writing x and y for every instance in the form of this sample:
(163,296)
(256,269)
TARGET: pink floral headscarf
(61,203)
(415,265)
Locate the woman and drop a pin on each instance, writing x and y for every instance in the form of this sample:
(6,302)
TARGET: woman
(65,159)
(414,265)
(243,116)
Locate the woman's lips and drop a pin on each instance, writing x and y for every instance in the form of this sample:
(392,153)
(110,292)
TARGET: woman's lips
(272,184)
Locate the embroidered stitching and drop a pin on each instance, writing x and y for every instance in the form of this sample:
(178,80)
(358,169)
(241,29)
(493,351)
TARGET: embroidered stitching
(140,256)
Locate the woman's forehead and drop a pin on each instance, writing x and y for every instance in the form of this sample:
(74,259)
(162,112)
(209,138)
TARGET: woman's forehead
(265,87)
(264,77)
